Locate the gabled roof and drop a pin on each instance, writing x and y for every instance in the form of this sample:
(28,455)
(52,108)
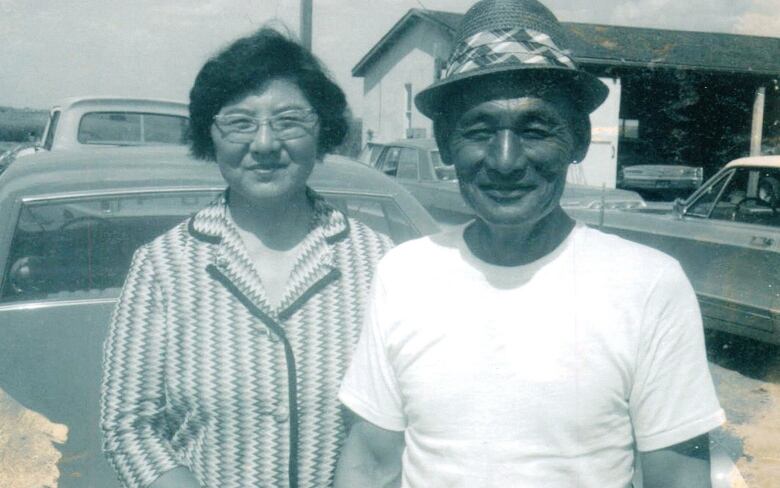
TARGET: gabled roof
(611,45)
(447,20)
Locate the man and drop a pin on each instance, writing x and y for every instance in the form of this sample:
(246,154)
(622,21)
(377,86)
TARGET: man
(524,349)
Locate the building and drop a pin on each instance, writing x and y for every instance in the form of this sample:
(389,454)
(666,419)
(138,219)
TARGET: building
(678,97)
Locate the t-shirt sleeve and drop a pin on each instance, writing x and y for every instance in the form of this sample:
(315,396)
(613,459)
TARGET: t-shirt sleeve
(370,388)
(673,398)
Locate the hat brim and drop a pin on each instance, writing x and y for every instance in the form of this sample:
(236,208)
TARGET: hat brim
(587,90)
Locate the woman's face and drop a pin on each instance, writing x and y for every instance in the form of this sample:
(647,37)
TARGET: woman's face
(267,164)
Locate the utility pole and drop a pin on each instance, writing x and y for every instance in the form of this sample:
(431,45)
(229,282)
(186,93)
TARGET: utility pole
(758,121)
(306,8)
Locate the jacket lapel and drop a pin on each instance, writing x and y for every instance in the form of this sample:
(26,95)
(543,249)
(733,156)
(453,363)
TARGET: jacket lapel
(314,267)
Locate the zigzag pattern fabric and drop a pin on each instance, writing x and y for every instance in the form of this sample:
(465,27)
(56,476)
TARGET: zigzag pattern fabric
(192,378)
(501,46)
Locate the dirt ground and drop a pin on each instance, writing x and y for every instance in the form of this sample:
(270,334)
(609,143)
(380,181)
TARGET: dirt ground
(28,454)
(747,377)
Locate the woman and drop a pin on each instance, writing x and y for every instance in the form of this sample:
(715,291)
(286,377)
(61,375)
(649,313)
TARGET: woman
(233,330)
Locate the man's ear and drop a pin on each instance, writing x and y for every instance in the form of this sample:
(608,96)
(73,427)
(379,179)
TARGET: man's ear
(441,131)
(581,137)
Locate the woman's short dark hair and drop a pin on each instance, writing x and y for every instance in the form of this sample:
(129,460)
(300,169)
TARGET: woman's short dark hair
(246,65)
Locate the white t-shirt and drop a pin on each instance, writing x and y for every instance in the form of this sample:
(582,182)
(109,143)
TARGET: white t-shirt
(547,374)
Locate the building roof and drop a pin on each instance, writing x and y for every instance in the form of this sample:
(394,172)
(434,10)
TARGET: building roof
(596,44)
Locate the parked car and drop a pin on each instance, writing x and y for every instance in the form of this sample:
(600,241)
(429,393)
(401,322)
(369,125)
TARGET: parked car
(92,122)
(726,235)
(660,177)
(642,169)
(69,224)
(415,163)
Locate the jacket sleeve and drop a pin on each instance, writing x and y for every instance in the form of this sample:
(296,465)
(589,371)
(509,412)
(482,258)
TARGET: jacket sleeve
(132,397)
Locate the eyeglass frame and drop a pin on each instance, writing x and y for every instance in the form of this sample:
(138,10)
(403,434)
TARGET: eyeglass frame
(312,119)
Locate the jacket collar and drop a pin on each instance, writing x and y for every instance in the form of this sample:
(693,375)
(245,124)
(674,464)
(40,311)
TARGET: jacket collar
(314,267)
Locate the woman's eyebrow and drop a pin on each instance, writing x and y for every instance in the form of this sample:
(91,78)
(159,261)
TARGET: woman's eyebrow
(276,110)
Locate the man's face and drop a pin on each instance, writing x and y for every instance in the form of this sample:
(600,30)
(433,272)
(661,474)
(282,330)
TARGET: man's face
(511,146)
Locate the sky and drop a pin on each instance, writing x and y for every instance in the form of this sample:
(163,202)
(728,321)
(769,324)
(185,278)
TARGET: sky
(51,49)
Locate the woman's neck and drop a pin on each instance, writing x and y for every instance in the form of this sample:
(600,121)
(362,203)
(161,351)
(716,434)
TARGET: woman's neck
(279,224)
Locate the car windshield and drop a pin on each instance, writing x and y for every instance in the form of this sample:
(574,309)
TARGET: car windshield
(128,128)
(443,172)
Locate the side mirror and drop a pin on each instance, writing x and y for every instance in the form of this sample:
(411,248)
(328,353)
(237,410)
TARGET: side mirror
(678,207)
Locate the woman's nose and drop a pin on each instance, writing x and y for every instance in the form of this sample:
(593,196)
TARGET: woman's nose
(265,140)
(506,152)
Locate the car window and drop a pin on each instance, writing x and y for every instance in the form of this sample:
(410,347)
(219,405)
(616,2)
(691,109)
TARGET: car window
(370,153)
(55,117)
(132,128)
(752,196)
(408,164)
(702,206)
(380,213)
(443,172)
(77,246)
(388,162)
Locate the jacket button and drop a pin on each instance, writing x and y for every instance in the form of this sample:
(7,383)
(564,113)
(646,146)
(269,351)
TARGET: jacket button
(281,414)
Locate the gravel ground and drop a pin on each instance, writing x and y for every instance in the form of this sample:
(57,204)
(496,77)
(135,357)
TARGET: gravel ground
(747,378)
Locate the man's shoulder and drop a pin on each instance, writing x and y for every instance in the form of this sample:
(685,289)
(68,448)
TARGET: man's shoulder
(424,249)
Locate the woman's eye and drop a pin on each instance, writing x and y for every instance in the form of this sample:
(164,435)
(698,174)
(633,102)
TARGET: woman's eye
(241,123)
(288,121)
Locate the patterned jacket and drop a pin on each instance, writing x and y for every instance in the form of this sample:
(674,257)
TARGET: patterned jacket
(200,371)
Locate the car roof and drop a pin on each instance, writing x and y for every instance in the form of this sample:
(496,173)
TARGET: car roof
(124,102)
(756,161)
(116,168)
(413,143)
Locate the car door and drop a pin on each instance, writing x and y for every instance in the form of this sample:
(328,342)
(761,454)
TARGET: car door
(729,246)
(66,263)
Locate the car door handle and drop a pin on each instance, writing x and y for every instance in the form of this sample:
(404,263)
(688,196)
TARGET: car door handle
(761,241)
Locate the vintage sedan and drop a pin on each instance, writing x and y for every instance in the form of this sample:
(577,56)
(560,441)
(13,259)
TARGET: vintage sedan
(726,235)
(416,164)
(660,178)
(69,224)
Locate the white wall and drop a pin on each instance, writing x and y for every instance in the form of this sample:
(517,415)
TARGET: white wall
(599,168)
(411,60)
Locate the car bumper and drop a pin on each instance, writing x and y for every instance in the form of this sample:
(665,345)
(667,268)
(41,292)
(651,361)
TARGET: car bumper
(660,183)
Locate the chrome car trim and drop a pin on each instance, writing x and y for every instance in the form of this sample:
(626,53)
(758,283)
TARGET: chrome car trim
(119,191)
(38,305)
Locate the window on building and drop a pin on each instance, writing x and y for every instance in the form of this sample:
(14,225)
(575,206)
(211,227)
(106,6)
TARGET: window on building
(408,89)
(629,129)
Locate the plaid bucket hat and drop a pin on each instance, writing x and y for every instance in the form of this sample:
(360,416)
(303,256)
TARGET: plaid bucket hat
(511,38)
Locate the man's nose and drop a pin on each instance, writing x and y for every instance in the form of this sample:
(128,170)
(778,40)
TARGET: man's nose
(265,140)
(506,152)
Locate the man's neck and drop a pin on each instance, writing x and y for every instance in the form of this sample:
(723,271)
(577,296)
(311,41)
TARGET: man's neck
(514,245)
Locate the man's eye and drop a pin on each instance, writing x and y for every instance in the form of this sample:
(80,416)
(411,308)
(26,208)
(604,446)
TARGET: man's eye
(477,134)
(534,133)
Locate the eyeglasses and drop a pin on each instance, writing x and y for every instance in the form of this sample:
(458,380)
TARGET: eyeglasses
(291,124)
